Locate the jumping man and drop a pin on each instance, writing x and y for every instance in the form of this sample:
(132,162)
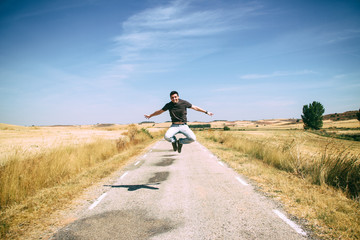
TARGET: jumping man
(177,109)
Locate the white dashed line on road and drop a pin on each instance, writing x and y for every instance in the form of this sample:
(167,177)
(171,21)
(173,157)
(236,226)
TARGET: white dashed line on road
(221,163)
(242,181)
(122,176)
(289,222)
(97,201)
(137,163)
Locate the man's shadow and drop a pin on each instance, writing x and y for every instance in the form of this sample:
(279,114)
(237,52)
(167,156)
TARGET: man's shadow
(134,187)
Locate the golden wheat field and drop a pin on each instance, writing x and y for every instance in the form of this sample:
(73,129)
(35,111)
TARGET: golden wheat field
(282,124)
(37,139)
(305,142)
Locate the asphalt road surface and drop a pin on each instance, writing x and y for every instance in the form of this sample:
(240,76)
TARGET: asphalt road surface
(188,195)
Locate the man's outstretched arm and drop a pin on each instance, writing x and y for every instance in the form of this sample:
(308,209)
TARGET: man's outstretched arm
(158,112)
(201,110)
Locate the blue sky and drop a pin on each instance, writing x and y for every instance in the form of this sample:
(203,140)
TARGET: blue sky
(92,61)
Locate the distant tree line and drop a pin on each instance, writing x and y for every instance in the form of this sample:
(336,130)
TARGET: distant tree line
(200,126)
(145,122)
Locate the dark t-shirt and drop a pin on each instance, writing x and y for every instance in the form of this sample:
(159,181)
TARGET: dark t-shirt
(178,110)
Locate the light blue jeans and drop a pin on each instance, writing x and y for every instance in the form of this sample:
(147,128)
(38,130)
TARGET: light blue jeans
(180,128)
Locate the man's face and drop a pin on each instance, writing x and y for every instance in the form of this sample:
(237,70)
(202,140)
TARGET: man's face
(174,98)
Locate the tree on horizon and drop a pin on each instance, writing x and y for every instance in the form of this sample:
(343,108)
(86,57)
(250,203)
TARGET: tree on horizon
(313,115)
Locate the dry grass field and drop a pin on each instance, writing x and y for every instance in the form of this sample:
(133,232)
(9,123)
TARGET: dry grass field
(281,124)
(43,168)
(31,140)
(316,177)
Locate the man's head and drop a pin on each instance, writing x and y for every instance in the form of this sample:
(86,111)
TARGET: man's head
(174,96)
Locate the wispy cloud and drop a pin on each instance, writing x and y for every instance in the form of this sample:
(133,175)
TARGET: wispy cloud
(343,35)
(340,76)
(50,7)
(120,71)
(163,37)
(276,74)
(284,102)
(227,89)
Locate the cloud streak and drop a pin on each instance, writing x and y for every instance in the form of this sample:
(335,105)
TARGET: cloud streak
(343,35)
(49,9)
(276,74)
(163,37)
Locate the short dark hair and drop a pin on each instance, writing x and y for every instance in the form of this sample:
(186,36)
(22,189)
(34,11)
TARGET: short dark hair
(174,92)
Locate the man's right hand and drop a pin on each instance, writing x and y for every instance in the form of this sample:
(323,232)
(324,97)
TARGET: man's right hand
(154,114)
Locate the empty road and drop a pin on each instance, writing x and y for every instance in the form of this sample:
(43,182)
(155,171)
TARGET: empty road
(191,195)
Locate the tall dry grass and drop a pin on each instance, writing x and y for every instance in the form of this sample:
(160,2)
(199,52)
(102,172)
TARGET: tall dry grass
(327,211)
(22,176)
(333,166)
(33,186)
(337,168)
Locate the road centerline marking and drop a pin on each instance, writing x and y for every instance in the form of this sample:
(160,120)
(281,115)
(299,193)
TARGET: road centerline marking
(122,176)
(97,201)
(289,222)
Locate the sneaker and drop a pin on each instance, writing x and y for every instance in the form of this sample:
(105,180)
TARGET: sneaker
(179,146)
(174,144)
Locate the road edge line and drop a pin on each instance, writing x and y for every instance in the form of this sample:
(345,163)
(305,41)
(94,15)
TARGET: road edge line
(293,225)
